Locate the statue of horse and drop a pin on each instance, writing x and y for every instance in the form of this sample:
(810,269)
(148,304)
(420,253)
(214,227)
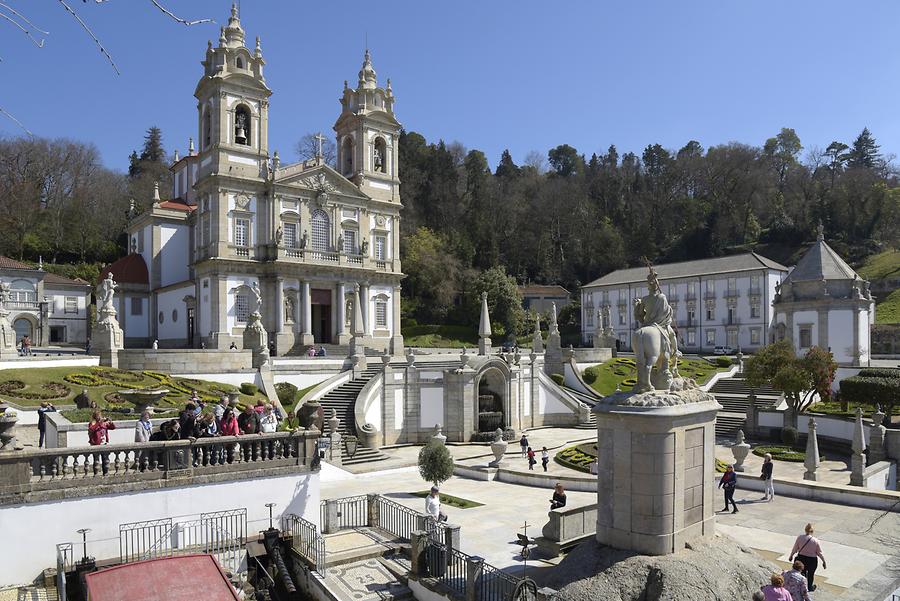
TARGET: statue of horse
(652,349)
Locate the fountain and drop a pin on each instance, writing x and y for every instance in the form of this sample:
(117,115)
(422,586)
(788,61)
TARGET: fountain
(143,399)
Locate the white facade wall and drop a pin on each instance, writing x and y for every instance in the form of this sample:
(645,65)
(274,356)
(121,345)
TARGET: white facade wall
(432,406)
(75,323)
(38,527)
(703,331)
(171,317)
(144,238)
(840,322)
(136,325)
(174,254)
(864,325)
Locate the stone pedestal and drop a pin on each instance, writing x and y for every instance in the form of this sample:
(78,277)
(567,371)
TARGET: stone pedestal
(876,438)
(7,337)
(811,462)
(858,458)
(107,339)
(739,449)
(256,339)
(498,448)
(8,421)
(656,466)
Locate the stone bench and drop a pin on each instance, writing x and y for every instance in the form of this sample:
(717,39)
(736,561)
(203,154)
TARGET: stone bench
(566,528)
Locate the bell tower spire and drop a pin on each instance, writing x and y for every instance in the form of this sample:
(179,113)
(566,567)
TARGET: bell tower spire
(367,135)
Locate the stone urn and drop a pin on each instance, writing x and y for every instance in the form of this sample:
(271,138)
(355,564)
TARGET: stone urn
(334,423)
(8,421)
(739,449)
(464,358)
(498,448)
(310,414)
(233,396)
(143,399)
(386,359)
(438,436)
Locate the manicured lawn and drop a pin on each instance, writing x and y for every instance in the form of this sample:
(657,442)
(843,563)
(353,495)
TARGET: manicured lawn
(450,500)
(888,310)
(783,453)
(578,457)
(60,385)
(430,336)
(834,408)
(621,371)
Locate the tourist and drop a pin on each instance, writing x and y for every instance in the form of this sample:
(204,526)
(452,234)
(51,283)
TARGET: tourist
(728,483)
(248,422)
(268,421)
(321,352)
(776,590)
(98,434)
(155,345)
(219,409)
(228,425)
(808,551)
(795,582)
(531,459)
(545,458)
(46,407)
(767,477)
(205,427)
(559,497)
(187,420)
(523,443)
(433,505)
(82,400)
(232,346)
(194,398)
(260,407)
(311,351)
(143,430)
(167,431)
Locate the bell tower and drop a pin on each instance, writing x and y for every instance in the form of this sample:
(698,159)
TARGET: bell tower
(367,136)
(233,106)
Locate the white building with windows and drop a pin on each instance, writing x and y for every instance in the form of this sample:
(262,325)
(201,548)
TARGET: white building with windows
(723,301)
(306,234)
(48,308)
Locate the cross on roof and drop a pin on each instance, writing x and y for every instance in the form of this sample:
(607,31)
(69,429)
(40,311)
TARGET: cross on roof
(320,139)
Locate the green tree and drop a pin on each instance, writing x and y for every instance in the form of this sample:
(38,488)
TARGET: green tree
(435,463)
(864,153)
(504,301)
(433,274)
(801,379)
(565,161)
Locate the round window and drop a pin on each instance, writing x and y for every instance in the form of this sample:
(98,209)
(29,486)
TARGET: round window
(161,317)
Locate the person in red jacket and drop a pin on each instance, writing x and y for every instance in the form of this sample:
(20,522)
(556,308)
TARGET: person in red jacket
(98,434)
(229,427)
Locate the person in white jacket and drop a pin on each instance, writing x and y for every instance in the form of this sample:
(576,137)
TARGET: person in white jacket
(142,431)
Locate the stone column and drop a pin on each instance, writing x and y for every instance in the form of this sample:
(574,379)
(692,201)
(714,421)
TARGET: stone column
(364,299)
(279,305)
(811,463)
(396,336)
(343,335)
(858,458)
(474,567)
(306,336)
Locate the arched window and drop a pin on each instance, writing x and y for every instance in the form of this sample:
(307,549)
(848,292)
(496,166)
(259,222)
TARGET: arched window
(239,63)
(321,230)
(347,156)
(379,156)
(242,125)
(207,128)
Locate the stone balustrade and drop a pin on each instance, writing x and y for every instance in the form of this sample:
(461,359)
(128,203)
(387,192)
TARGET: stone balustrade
(566,527)
(48,474)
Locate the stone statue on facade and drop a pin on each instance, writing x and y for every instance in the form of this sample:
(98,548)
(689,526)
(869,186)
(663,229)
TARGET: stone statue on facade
(364,248)
(655,344)
(378,160)
(304,240)
(288,309)
(4,297)
(279,236)
(607,320)
(7,333)
(256,299)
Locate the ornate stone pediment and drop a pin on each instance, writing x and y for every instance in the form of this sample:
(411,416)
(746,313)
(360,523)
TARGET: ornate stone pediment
(323,181)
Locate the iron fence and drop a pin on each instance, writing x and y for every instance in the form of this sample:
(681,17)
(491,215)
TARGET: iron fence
(145,540)
(395,518)
(495,585)
(306,540)
(352,512)
(447,566)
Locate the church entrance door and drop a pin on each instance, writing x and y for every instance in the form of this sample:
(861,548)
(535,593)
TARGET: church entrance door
(321,315)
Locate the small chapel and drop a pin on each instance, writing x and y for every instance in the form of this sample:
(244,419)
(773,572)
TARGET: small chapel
(240,229)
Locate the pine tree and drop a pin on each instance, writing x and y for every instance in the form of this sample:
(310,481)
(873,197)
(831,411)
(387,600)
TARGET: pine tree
(864,153)
(153,148)
(507,167)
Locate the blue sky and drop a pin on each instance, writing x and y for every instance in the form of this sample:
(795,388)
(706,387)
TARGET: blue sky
(520,75)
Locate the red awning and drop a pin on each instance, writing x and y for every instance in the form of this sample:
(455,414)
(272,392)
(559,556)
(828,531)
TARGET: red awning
(184,578)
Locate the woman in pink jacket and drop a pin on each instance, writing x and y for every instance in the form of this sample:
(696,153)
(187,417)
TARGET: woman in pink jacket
(808,550)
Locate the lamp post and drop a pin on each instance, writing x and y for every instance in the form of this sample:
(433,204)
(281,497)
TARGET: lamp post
(270,506)
(83,532)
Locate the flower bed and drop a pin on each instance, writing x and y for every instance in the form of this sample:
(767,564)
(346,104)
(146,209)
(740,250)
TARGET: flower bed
(783,453)
(578,457)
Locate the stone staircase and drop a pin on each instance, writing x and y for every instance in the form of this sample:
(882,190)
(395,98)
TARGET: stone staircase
(585,399)
(338,351)
(343,401)
(733,394)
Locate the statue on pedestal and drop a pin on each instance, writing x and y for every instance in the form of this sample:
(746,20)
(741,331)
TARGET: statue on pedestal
(107,337)
(655,344)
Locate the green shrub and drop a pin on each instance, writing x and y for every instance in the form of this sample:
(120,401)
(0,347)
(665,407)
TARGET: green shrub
(249,389)
(591,374)
(862,389)
(789,436)
(782,453)
(723,361)
(435,463)
(287,393)
(879,372)
(559,379)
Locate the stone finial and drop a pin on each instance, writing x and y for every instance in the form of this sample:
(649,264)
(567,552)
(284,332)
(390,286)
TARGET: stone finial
(438,436)
(258,48)
(859,438)
(276,161)
(484,328)
(191,150)
(876,437)
(858,458)
(537,341)
(554,327)
(358,330)
(156,194)
(176,158)
(222,39)
(820,232)
(811,462)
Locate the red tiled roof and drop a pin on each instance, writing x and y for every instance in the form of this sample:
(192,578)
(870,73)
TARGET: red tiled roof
(52,278)
(128,270)
(185,578)
(176,204)
(7,263)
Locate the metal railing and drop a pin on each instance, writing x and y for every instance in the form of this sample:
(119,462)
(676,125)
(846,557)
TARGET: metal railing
(65,562)
(495,585)
(395,518)
(306,540)
(352,512)
(447,566)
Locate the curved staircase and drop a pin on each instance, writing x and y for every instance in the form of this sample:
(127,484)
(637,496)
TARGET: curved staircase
(343,401)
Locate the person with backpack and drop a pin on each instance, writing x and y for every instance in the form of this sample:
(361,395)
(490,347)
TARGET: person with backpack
(531,459)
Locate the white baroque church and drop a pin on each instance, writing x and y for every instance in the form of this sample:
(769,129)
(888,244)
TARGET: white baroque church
(306,234)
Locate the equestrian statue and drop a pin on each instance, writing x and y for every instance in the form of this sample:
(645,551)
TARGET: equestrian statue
(655,342)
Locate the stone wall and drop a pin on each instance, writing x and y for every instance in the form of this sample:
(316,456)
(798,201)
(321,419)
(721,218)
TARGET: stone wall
(185,361)
(886,339)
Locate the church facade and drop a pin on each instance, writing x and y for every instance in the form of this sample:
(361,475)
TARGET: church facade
(306,234)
